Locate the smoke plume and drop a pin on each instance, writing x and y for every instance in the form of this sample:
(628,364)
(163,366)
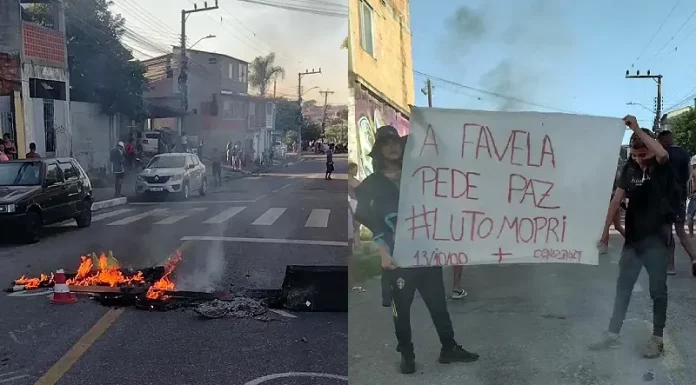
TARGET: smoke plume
(520,40)
(205,272)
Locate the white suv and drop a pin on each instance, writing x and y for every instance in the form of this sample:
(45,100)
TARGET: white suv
(172,173)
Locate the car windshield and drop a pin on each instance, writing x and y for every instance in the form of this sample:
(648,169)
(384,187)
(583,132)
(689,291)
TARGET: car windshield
(20,174)
(167,162)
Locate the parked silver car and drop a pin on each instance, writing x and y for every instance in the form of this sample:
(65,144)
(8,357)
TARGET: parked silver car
(172,173)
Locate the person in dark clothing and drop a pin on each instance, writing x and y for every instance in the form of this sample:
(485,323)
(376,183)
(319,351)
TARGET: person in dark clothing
(377,208)
(329,163)
(680,160)
(647,180)
(217,167)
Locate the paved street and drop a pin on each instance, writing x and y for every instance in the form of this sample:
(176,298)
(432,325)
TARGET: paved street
(241,235)
(531,325)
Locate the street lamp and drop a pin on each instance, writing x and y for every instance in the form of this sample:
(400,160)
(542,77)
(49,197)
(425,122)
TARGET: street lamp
(201,39)
(313,88)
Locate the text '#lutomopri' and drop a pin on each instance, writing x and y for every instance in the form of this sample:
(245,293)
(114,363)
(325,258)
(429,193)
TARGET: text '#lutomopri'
(433,224)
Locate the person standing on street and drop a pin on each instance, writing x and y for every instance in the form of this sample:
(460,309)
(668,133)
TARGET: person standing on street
(691,208)
(647,180)
(377,208)
(32,154)
(10,148)
(217,167)
(329,162)
(184,142)
(117,167)
(680,160)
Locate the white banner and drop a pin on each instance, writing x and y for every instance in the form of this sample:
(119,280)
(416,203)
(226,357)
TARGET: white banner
(505,187)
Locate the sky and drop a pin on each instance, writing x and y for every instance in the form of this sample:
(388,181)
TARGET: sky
(562,56)
(246,30)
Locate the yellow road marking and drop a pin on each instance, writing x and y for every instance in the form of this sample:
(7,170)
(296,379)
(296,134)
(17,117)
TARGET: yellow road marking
(81,346)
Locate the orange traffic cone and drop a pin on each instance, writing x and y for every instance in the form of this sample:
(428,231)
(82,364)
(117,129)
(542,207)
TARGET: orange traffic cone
(61,291)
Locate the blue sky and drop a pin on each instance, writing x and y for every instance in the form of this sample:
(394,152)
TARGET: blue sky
(570,57)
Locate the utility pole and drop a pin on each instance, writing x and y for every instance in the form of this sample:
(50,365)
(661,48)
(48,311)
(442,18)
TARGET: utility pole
(274,88)
(326,106)
(183,76)
(428,91)
(658,101)
(299,100)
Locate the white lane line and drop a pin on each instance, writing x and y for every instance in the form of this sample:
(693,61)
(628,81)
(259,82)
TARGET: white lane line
(191,202)
(263,240)
(110,214)
(281,188)
(225,215)
(137,217)
(269,217)
(318,218)
(176,218)
(4,380)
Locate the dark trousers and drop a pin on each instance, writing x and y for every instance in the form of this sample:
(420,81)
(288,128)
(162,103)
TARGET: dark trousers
(217,174)
(428,281)
(118,182)
(650,253)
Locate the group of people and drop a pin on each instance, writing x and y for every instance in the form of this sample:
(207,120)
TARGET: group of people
(8,149)
(651,186)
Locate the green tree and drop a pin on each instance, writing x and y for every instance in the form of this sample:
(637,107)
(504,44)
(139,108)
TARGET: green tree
(684,130)
(337,134)
(263,72)
(287,116)
(101,69)
(311,130)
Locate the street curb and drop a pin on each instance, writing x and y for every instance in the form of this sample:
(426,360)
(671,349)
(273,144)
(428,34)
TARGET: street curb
(100,205)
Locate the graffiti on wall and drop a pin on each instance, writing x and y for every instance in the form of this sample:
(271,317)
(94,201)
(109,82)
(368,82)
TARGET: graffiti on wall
(370,114)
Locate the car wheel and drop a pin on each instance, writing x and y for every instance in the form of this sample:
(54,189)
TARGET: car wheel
(84,218)
(204,187)
(185,191)
(34,227)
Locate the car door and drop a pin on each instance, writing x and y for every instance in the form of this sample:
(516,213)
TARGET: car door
(198,166)
(72,184)
(56,194)
(195,181)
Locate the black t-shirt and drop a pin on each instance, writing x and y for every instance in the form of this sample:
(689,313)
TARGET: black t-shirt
(647,213)
(680,160)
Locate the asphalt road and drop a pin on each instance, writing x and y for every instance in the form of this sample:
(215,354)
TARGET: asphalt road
(532,325)
(239,236)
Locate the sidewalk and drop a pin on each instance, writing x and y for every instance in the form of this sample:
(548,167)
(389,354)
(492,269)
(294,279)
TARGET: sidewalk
(531,324)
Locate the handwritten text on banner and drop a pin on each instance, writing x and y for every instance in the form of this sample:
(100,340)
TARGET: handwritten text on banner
(504,187)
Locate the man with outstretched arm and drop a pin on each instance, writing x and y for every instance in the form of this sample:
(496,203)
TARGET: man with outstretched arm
(647,180)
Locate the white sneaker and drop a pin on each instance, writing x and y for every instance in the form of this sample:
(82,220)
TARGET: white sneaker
(459,294)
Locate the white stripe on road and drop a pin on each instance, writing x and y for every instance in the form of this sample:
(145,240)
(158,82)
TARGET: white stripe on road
(225,215)
(193,202)
(4,380)
(176,218)
(283,313)
(269,217)
(264,240)
(318,218)
(137,217)
(110,214)
(281,188)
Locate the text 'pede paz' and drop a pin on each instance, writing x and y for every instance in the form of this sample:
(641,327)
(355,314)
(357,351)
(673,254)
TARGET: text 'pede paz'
(483,187)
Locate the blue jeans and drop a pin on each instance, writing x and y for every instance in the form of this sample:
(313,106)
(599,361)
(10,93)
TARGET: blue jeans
(651,253)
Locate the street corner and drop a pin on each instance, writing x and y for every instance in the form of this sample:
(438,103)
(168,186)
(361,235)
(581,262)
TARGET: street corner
(109,203)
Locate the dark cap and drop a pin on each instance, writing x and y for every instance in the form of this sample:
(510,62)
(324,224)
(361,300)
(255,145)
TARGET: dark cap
(382,135)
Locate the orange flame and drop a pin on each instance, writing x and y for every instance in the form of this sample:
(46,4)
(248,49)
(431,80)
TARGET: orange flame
(33,283)
(156,291)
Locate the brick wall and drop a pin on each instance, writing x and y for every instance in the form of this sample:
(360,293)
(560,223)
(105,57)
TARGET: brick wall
(9,73)
(43,44)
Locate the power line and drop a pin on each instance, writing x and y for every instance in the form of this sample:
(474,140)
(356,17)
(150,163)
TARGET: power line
(445,81)
(672,38)
(288,7)
(658,31)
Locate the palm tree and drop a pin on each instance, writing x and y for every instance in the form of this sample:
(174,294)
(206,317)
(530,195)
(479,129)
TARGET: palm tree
(263,72)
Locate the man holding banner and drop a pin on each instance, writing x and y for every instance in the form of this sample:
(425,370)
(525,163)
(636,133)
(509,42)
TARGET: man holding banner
(649,183)
(377,209)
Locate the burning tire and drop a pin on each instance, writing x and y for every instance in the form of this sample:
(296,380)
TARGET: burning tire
(34,227)
(84,218)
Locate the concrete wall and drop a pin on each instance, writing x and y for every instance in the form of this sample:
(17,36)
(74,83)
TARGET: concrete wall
(35,127)
(389,71)
(10,26)
(94,135)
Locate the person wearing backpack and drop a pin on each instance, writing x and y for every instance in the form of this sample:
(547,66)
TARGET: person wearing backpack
(648,181)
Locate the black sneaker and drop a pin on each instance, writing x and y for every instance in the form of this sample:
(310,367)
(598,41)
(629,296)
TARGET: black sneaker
(408,364)
(456,354)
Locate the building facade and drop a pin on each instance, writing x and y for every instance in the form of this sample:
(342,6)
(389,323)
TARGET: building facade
(35,88)
(380,73)
(220,110)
